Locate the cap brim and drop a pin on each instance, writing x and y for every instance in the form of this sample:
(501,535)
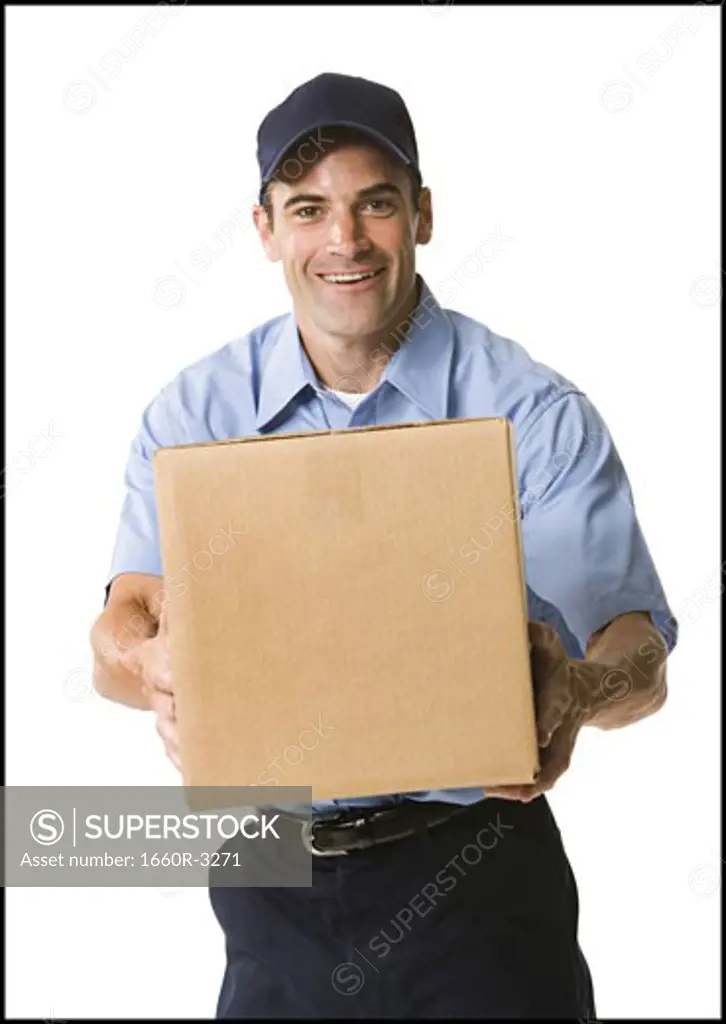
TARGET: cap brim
(375,135)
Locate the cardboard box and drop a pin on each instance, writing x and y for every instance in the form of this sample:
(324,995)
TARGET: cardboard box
(347,609)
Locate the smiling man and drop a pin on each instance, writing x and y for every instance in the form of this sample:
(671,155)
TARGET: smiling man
(348,286)
(400,921)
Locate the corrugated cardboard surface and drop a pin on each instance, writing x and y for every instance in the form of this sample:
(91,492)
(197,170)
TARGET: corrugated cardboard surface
(363,629)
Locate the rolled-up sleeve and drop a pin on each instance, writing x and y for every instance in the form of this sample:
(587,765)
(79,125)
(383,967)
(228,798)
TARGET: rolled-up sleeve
(137,546)
(584,549)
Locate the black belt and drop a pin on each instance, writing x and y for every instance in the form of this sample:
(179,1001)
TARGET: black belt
(358,829)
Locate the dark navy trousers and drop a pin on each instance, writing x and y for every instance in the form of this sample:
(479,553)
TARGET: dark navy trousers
(476,917)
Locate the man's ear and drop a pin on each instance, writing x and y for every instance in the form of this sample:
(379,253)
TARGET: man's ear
(266,233)
(425,226)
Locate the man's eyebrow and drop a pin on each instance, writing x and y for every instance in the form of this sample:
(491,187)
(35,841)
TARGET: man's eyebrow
(386,187)
(303,198)
(381,187)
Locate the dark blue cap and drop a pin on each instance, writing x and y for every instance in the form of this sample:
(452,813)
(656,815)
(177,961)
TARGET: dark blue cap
(332,99)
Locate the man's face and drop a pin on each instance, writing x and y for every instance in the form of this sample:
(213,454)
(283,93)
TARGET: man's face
(351,212)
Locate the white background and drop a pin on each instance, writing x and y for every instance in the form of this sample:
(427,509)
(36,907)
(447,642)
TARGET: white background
(589,137)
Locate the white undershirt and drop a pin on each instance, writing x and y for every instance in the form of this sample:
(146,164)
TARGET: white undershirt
(351,398)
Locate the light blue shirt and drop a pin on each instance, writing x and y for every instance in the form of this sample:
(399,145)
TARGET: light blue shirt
(586,560)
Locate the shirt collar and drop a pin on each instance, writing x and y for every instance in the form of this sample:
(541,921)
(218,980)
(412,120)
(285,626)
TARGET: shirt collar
(287,371)
(419,368)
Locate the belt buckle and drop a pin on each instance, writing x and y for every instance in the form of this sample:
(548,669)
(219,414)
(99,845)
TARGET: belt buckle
(308,841)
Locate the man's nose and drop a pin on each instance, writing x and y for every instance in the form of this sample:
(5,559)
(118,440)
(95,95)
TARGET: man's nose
(347,235)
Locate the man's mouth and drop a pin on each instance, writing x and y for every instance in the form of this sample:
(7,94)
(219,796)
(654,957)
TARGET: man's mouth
(349,280)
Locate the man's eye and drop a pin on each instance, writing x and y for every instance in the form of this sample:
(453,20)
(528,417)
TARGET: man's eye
(302,210)
(381,204)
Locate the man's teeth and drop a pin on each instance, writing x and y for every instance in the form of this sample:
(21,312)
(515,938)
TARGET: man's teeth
(335,278)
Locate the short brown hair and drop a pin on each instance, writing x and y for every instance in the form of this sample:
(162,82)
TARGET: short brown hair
(341,135)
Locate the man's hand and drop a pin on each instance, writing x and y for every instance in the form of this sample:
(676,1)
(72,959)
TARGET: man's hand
(151,659)
(621,680)
(565,692)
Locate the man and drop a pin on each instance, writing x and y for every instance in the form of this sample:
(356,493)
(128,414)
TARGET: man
(396,923)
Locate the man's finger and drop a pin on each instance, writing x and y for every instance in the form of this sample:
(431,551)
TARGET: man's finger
(167,730)
(157,665)
(552,709)
(163,683)
(507,792)
(555,758)
(163,704)
(547,654)
(173,755)
(163,665)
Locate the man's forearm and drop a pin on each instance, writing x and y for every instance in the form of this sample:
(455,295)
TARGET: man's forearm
(114,637)
(635,686)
